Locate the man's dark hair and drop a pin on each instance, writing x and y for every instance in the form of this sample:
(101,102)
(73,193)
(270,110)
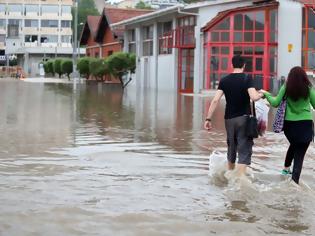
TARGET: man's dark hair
(238,61)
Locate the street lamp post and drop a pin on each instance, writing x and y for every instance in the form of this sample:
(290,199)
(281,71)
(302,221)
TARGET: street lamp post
(75,42)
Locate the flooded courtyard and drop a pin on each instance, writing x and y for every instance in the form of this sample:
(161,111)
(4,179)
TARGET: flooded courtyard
(96,161)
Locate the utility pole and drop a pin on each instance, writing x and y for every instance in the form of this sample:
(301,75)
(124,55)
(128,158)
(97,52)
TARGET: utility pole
(75,42)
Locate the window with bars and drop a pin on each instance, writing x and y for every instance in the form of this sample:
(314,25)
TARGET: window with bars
(308,38)
(252,34)
(147,41)
(132,41)
(165,34)
(65,24)
(49,39)
(49,23)
(185,32)
(30,38)
(31,23)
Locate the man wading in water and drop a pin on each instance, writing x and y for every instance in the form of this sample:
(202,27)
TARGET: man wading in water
(238,90)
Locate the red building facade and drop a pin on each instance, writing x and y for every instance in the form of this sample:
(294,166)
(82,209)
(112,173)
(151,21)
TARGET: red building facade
(99,38)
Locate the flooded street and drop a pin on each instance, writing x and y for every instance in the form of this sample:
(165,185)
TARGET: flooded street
(96,161)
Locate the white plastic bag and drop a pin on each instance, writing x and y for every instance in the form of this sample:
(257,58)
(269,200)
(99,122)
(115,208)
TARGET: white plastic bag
(262,110)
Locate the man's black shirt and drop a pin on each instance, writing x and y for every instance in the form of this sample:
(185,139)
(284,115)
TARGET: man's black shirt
(235,87)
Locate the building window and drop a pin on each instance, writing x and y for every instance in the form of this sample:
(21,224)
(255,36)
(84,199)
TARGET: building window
(13,31)
(65,24)
(16,8)
(110,52)
(49,23)
(31,23)
(2,8)
(308,38)
(2,38)
(147,42)
(14,22)
(65,10)
(31,38)
(132,41)
(247,34)
(31,9)
(66,38)
(185,32)
(165,34)
(49,39)
(2,23)
(50,9)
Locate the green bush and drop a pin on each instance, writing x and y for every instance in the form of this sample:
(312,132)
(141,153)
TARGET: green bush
(66,67)
(84,67)
(98,68)
(46,68)
(49,67)
(57,67)
(120,64)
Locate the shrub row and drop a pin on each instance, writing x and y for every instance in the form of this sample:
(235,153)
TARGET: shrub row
(59,66)
(118,65)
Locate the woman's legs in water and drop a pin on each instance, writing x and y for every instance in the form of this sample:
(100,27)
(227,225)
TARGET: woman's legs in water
(289,157)
(299,153)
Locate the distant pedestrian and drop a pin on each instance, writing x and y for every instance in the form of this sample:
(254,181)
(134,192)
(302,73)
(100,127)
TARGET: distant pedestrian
(238,90)
(298,121)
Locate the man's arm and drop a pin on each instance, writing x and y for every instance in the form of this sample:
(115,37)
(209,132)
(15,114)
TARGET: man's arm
(254,95)
(213,106)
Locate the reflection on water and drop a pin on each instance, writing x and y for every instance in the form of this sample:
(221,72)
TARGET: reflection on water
(101,162)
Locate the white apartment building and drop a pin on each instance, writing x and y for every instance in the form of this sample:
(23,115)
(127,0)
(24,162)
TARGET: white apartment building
(35,30)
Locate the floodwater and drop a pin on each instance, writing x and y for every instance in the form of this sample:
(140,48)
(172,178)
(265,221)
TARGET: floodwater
(96,161)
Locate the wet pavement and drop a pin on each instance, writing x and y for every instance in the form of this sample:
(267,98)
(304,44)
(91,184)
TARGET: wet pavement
(96,161)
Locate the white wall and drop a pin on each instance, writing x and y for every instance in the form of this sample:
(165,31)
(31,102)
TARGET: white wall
(289,32)
(166,72)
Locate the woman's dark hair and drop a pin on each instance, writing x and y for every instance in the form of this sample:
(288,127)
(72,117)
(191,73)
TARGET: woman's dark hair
(298,84)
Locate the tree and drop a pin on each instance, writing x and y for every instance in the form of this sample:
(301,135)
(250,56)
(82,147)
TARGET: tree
(98,68)
(67,67)
(49,67)
(142,5)
(57,67)
(85,8)
(84,67)
(120,64)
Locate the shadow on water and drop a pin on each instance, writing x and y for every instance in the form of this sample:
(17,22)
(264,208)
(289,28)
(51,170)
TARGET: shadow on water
(96,161)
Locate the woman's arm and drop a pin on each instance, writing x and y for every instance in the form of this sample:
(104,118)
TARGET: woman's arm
(312,97)
(275,101)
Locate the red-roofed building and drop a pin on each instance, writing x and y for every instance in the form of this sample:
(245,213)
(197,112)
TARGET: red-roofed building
(100,40)
(88,36)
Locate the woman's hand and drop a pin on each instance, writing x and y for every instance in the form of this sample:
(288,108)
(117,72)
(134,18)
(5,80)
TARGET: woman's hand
(208,125)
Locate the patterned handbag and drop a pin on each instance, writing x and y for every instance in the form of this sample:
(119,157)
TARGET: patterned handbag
(277,126)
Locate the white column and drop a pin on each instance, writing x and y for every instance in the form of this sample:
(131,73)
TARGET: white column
(289,32)
(197,59)
(175,60)
(126,41)
(138,59)
(155,56)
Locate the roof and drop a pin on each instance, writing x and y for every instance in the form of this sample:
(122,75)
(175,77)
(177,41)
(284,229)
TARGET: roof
(112,15)
(148,16)
(89,28)
(221,15)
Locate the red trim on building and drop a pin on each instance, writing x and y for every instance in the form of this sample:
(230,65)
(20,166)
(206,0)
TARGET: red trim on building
(221,15)
(185,42)
(246,31)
